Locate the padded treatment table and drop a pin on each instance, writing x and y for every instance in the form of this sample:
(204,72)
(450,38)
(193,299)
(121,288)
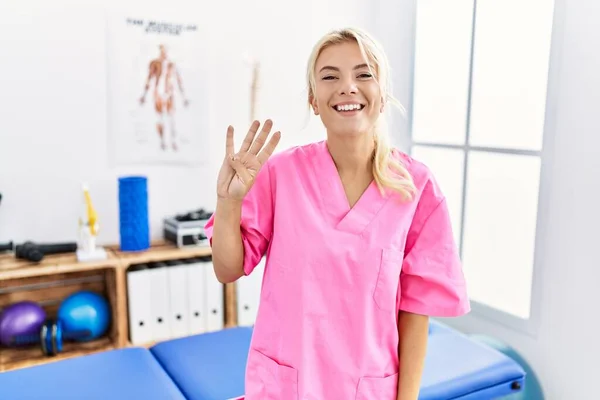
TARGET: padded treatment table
(130,373)
(212,366)
(207,366)
(456,368)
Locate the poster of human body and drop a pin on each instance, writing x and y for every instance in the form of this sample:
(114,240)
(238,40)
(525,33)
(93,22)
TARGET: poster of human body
(157,100)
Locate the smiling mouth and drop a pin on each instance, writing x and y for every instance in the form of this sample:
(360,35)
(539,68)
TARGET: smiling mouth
(349,107)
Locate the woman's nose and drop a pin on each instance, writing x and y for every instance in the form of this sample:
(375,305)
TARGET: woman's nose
(347,86)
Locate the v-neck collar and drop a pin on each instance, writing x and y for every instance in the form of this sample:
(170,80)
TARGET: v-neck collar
(349,219)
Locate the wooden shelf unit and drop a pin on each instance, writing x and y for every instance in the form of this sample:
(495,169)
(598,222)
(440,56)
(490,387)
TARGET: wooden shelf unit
(55,277)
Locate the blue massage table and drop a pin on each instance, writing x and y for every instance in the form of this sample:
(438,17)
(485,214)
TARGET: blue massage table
(458,368)
(208,366)
(131,373)
(211,366)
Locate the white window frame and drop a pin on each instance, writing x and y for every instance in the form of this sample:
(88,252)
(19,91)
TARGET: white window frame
(530,325)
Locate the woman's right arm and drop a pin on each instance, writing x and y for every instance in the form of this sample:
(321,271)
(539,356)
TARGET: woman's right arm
(237,176)
(227,247)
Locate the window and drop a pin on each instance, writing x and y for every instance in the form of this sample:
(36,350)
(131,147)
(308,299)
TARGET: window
(479,104)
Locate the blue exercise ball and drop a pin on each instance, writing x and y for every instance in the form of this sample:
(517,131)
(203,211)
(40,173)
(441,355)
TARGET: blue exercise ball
(532,389)
(86,314)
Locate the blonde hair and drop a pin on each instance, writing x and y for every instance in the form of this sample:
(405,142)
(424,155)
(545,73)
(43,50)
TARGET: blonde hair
(388,171)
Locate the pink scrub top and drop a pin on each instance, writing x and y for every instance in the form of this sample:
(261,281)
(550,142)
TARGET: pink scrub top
(336,277)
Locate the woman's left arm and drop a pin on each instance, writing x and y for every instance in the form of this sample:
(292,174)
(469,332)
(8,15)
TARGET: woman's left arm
(413,330)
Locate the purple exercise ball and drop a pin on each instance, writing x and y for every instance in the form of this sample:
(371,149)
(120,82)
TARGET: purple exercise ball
(22,318)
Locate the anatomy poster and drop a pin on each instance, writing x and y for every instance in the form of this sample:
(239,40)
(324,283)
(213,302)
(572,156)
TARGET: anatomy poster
(157,93)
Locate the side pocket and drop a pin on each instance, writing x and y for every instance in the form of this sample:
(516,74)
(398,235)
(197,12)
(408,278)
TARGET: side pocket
(388,279)
(377,388)
(269,380)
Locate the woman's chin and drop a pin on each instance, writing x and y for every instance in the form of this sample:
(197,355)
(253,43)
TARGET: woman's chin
(350,130)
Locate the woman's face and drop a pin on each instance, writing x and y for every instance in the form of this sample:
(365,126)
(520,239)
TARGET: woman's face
(347,97)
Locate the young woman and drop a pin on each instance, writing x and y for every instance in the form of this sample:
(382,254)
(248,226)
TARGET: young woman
(357,237)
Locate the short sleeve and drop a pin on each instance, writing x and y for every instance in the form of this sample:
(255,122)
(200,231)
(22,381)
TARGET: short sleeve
(432,281)
(256,220)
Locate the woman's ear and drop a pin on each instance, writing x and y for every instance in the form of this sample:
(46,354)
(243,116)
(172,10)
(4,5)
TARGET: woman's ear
(313,104)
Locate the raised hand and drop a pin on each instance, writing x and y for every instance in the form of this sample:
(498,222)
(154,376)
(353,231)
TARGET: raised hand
(239,170)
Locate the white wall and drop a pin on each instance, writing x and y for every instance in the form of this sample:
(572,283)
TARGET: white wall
(395,28)
(53,128)
(565,350)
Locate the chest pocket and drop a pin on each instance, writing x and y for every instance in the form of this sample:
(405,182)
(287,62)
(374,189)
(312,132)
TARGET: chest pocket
(388,279)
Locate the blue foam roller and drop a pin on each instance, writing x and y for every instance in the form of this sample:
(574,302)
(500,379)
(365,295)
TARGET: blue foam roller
(134,227)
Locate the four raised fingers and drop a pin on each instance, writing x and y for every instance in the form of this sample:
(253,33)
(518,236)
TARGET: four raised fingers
(252,146)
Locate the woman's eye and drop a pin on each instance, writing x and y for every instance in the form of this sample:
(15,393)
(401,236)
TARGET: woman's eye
(327,78)
(365,76)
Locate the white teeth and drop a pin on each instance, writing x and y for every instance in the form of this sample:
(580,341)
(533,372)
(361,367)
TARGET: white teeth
(348,107)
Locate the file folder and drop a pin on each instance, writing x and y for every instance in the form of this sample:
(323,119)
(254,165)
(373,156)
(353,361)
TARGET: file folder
(248,295)
(138,304)
(196,293)
(160,322)
(215,319)
(179,312)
